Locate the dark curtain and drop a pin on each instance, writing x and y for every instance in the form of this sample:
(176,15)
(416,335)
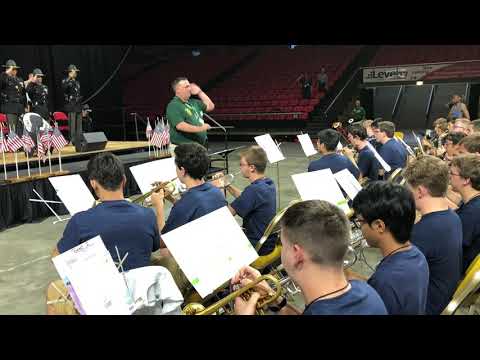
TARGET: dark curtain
(96,64)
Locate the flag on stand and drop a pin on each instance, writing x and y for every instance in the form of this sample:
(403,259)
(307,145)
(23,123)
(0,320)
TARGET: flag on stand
(157,136)
(28,143)
(14,141)
(58,141)
(165,138)
(3,142)
(41,148)
(46,141)
(148,132)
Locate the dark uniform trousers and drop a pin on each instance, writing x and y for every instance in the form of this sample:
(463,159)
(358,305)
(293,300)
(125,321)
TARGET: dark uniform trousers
(13,122)
(75,125)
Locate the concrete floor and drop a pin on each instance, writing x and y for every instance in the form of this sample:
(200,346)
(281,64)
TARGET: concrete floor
(26,267)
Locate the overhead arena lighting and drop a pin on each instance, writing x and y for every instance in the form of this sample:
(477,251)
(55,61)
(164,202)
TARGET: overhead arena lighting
(196,52)
(291,47)
(419,83)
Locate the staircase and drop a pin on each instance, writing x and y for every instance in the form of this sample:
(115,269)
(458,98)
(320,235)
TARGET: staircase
(339,100)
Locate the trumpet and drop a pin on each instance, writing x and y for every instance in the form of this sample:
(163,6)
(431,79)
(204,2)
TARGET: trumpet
(222,180)
(245,292)
(167,186)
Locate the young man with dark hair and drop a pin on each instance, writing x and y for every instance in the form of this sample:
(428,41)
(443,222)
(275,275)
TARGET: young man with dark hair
(439,232)
(386,212)
(452,146)
(185,115)
(357,135)
(391,150)
(129,227)
(257,203)
(465,179)
(315,236)
(192,163)
(470,144)
(327,143)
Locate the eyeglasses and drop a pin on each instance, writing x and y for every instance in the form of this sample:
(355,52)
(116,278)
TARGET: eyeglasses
(453,174)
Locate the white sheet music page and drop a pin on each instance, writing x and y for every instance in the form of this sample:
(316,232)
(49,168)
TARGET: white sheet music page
(154,171)
(320,185)
(348,182)
(379,158)
(73,192)
(273,152)
(307,144)
(210,250)
(93,280)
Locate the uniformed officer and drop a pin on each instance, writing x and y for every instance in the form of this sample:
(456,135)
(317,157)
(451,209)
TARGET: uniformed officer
(12,93)
(38,94)
(73,104)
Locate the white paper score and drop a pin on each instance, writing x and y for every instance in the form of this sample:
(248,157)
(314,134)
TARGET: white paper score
(307,144)
(273,152)
(73,192)
(93,280)
(348,183)
(210,250)
(379,158)
(320,185)
(154,171)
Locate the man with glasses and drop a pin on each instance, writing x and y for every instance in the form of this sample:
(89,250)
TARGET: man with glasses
(465,179)
(386,213)
(257,204)
(463,126)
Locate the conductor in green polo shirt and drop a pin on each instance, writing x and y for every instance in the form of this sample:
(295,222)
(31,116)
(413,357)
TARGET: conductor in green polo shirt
(185,115)
(358,112)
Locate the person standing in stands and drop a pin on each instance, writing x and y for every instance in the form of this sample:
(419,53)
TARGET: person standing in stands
(327,143)
(73,104)
(438,234)
(322,80)
(358,112)
(306,83)
(458,109)
(12,93)
(185,115)
(465,179)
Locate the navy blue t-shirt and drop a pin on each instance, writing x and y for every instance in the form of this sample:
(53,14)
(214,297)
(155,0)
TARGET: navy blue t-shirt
(195,203)
(130,227)
(469,214)
(257,206)
(366,164)
(439,236)
(394,154)
(361,299)
(401,280)
(334,162)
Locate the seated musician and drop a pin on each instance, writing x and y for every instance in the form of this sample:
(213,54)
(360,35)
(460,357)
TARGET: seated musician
(315,236)
(257,204)
(357,135)
(441,130)
(452,147)
(465,178)
(464,126)
(438,234)
(476,126)
(327,143)
(470,144)
(386,212)
(201,198)
(392,151)
(129,227)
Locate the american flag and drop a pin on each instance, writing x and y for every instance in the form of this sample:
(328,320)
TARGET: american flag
(28,143)
(157,136)
(14,141)
(46,140)
(165,136)
(3,142)
(148,132)
(58,140)
(40,148)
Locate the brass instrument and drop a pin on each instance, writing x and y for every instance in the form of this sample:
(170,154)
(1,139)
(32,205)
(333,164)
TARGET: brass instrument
(222,180)
(246,291)
(167,186)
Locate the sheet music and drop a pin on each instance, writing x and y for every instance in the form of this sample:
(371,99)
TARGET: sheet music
(409,149)
(93,280)
(379,158)
(214,254)
(339,146)
(320,185)
(154,171)
(73,192)
(273,152)
(307,144)
(348,183)
(418,142)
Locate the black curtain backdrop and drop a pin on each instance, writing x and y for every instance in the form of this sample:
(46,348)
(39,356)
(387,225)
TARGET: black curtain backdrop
(96,64)
(16,208)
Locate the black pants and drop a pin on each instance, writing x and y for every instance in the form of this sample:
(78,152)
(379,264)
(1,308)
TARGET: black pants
(75,125)
(13,122)
(307,92)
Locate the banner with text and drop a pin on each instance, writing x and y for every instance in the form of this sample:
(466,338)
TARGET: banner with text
(400,73)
